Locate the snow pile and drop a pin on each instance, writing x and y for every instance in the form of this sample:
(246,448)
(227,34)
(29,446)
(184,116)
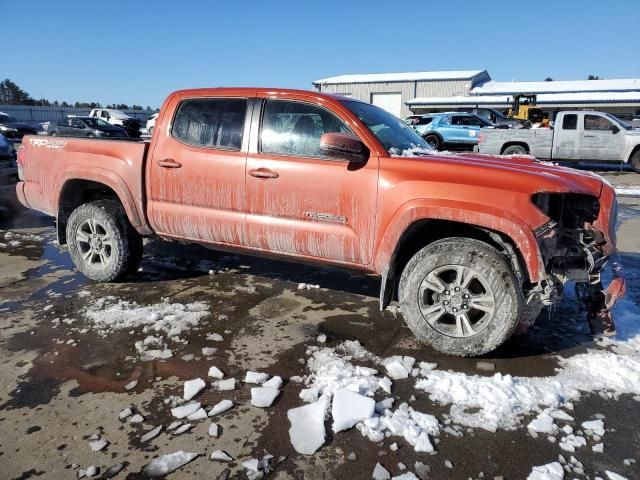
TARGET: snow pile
(172,319)
(500,401)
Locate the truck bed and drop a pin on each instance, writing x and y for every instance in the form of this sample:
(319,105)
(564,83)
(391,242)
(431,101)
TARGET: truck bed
(540,140)
(47,165)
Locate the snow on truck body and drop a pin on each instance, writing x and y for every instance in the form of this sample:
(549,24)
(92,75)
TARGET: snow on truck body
(327,179)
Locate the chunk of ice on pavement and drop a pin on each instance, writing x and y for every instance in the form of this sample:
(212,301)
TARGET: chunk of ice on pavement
(185,410)
(596,426)
(151,434)
(208,351)
(220,407)
(256,377)
(251,464)
(192,388)
(385,384)
(561,415)
(350,408)
(215,372)
(395,367)
(550,471)
(214,430)
(380,473)
(92,471)
(215,337)
(309,394)
(405,476)
(183,428)
(98,445)
(543,423)
(274,382)
(571,442)
(124,413)
(614,476)
(226,384)
(166,464)
(307,426)
(598,447)
(131,385)
(221,456)
(137,418)
(383,405)
(200,414)
(322,338)
(263,396)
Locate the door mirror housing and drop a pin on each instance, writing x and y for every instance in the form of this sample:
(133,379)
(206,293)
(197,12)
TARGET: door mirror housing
(344,146)
(614,129)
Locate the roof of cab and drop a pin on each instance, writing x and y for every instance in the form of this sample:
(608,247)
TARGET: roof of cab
(258,91)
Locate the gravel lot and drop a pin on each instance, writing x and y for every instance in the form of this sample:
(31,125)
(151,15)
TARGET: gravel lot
(74,354)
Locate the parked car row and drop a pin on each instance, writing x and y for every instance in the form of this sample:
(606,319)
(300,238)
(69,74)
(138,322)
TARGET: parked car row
(85,127)
(14,130)
(450,129)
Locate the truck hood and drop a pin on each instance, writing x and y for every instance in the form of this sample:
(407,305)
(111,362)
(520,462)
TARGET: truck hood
(518,173)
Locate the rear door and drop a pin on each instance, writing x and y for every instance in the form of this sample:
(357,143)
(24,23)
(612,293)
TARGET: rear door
(197,170)
(299,201)
(601,138)
(566,138)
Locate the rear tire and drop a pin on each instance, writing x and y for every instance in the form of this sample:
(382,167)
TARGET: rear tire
(635,161)
(515,150)
(151,130)
(102,243)
(460,296)
(54,133)
(434,141)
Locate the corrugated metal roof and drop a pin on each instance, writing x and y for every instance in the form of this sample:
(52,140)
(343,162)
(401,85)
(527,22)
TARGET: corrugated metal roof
(401,77)
(545,98)
(558,86)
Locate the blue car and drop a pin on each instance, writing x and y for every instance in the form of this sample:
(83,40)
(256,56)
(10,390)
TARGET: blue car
(450,129)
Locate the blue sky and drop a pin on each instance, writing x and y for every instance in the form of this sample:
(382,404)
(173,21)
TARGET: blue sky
(138,51)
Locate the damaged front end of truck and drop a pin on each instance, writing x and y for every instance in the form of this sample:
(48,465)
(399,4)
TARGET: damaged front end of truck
(576,244)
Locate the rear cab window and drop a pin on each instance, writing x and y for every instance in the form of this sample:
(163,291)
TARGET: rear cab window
(210,122)
(570,122)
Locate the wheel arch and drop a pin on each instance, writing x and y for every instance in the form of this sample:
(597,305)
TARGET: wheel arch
(423,226)
(77,191)
(506,145)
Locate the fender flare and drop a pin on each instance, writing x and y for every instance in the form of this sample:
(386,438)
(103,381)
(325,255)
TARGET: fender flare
(475,215)
(118,185)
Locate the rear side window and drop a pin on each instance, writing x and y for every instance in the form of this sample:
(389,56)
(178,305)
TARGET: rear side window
(211,122)
(570,122)
(424,121)
(295,128)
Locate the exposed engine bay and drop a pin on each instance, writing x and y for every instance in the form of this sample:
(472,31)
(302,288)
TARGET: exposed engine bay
(572,250)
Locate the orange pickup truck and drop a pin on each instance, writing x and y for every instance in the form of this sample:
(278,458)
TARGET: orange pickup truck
(470,246)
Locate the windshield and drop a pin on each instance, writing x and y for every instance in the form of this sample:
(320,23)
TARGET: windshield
(95,122)
(622,124)
(396,137)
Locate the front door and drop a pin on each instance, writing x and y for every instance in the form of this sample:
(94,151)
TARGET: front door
(301,202)
(601,139)
(197,171)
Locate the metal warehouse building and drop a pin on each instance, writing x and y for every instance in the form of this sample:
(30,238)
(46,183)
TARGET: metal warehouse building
(424,92)
(393,91)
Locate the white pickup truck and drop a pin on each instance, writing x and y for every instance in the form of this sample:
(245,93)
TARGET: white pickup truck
(583,136)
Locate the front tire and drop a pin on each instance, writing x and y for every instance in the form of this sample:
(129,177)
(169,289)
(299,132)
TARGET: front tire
(460,296)
(102,243)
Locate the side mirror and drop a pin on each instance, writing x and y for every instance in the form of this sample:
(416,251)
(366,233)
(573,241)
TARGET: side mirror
(614,129)
(344,146)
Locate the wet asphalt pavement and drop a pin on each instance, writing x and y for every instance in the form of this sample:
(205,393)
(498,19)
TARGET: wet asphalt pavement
(61,382)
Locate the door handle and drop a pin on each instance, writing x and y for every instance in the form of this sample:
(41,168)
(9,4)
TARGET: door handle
(263,173)
(169,163)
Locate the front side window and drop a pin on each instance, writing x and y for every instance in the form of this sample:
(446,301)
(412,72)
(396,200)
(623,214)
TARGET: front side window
(211,122)
(596,122)
(295,128)
(570,122)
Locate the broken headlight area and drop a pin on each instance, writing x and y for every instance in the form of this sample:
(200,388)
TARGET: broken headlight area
(571,247)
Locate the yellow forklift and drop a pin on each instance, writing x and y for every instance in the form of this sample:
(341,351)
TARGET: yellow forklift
(523,107)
